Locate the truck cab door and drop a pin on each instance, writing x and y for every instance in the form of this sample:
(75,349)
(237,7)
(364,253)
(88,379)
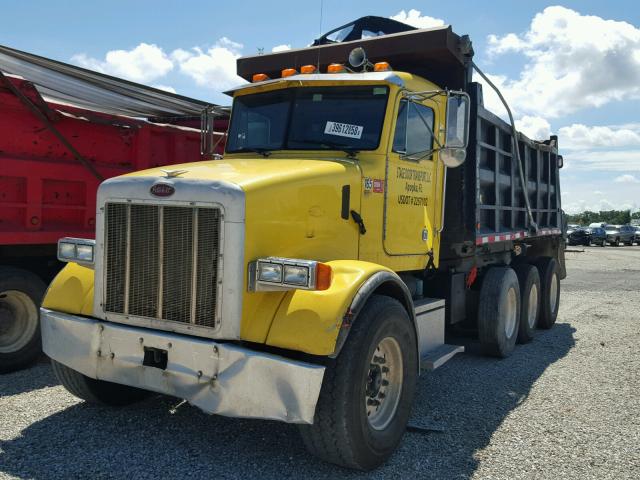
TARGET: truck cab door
(409,213)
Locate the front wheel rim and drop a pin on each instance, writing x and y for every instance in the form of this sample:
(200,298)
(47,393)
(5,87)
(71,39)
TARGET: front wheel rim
(384,383)
(18,320)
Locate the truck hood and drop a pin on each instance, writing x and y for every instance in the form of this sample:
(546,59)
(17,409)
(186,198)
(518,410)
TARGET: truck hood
(253,173)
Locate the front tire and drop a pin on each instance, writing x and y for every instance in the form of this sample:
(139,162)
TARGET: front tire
(96,391)
(550,291)
(499,312)
(367,392)
(20,295)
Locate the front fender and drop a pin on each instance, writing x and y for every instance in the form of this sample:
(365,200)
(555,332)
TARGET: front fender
(310,320)
(71,291)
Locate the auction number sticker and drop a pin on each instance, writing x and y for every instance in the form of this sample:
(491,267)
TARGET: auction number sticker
(343,130)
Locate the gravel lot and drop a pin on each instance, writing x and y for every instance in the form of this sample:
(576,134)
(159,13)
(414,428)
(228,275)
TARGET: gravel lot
(566,405)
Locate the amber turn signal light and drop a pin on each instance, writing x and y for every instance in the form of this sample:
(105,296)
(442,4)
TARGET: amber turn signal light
(323,276)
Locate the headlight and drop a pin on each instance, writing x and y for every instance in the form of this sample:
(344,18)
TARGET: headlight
(84,253)
(296,275)
(269,272)
(273,274)
(66,250)
(78,250)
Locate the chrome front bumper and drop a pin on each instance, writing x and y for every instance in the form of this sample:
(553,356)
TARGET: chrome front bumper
(219,378)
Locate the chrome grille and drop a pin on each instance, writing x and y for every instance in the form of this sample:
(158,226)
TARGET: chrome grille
(161,262)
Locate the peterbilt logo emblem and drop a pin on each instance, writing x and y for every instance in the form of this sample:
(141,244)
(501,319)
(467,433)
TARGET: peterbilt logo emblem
(162,190)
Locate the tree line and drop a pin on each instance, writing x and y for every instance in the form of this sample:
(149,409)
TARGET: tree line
(613,217)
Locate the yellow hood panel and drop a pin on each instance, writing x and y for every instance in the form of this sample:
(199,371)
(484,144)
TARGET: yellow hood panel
(252,173)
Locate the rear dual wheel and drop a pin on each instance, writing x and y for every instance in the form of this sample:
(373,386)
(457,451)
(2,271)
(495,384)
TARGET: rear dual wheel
(514,301)
(550,291)
(529,281)
(20,295)
(499,312)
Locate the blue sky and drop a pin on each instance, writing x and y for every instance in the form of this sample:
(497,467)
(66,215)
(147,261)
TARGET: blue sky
(570,68)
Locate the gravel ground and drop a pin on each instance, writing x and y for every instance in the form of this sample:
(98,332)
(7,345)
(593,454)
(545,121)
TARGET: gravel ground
(566,405)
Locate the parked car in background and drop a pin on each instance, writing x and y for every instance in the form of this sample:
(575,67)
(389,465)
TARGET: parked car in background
(629,234)
(637,235)
(617,234)
(579,236)
(598,236)
(572,227)
(597,224)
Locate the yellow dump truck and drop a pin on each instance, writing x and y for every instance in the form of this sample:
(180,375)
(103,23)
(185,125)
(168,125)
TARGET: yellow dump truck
(367,203)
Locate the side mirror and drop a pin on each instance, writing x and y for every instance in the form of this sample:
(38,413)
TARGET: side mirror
(453,157)
(454,152)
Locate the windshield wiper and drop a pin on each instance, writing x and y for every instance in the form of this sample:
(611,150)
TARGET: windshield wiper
(265,152)
(350,151)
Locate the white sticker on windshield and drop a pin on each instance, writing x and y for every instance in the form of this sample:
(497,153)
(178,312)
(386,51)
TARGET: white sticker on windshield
(343,130)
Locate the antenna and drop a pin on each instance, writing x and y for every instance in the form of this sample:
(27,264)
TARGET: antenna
(319,35)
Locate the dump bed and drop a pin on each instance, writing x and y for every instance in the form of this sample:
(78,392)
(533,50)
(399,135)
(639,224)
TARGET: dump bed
(485,201)
(45,191)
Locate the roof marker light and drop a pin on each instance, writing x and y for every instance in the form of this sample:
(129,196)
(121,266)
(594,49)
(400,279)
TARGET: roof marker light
(381,67)
(259,77)
(308,69)
(287,72)
(336,68)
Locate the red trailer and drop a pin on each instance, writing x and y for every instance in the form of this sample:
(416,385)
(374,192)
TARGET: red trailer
(53,156)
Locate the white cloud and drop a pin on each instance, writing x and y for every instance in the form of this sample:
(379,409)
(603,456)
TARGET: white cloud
(214,68)
(591,205)
(179,55)
(596,192)
(281,48)
(574,61)
(626,178)
(416,19)
(166,88)
(579,136)
(144,63)
(536,128)
(230,44)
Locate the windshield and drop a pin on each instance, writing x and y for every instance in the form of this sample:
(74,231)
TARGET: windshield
(309,118)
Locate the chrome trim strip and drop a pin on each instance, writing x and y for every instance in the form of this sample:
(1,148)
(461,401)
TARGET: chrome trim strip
(127,262)
(194,266)
(160,260)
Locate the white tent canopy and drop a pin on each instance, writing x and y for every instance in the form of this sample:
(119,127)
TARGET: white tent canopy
(64,83)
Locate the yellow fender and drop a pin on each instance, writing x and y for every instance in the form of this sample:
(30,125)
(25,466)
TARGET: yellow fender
(318,321)
(71,291)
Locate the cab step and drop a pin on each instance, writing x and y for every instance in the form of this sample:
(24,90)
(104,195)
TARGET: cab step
(439,356)
(430,319)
